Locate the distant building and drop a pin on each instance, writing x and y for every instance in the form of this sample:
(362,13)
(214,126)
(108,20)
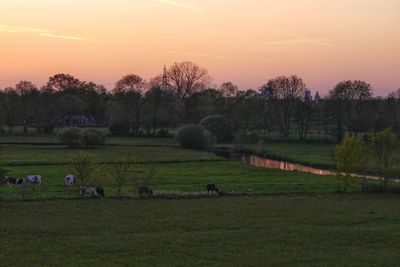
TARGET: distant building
(76,120)
(308,96)
(266,94)
(317,97)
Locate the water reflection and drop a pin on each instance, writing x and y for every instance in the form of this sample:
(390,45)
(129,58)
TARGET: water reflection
(281,165)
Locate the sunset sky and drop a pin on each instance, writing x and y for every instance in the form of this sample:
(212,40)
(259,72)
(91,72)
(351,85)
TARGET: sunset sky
(245,41)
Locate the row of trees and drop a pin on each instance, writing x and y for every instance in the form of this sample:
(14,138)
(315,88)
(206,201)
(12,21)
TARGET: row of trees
(184,94)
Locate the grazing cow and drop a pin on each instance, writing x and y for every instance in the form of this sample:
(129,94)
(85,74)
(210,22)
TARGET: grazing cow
(70,180)
(91,191)
(100,191)
(33,179)
(13,181)
(211,188)
(144,190)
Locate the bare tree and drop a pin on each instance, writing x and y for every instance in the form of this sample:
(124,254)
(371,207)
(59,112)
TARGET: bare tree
(130,83)
(81,166)
(283,92)
(395,94)
(144,186)
(185,79)
(228,89)
(62,81)
(120,172)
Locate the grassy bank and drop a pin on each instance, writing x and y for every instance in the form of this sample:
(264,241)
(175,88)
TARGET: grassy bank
(298,230)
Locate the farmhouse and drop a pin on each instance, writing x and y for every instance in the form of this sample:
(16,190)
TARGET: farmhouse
(76,120)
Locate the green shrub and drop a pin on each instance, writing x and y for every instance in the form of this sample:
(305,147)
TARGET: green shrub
(93,138)
(195,137)
(219,126)
(72,137)
(119,128)
(78,138)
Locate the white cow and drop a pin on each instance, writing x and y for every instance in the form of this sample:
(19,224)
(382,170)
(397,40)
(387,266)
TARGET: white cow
(70,180)
(33,179)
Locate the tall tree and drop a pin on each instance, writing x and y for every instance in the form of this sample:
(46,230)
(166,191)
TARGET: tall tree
(28,96)
(186,79)
(129,92)
(11,108)
(228,89)
(62,81)
(282,93)
(391,111)
(349,101)
(349,160)
(303,115)
(385,150)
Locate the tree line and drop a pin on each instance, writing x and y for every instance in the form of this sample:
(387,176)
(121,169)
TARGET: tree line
(184,94)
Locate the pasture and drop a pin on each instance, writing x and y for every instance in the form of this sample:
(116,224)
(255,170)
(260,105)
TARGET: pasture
(266,218)
(177,169)
(231,177)
(291,230)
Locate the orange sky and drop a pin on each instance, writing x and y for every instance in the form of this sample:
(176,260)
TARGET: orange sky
(245,41)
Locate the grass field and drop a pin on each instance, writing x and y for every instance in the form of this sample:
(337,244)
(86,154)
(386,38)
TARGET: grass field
(56,154)
(266,218)
(231,177)
(296,230)
(177,169)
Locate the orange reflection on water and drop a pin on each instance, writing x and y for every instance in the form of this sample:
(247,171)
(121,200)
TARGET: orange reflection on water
(281,165)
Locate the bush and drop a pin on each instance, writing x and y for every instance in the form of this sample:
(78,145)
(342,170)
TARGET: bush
(119,128)
(93,138)
(77,138)
(72,137)
(163,133)
(219,126)
(195,137)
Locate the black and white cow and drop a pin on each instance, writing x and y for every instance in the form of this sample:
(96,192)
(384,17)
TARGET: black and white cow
(33,179)
(91,191)
(211,188)
(70,180)
(13,181)
(145,190)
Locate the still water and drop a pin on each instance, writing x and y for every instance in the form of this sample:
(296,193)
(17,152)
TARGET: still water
(286,166)
(281,165)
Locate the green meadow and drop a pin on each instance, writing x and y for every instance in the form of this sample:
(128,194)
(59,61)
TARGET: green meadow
(263,218)
(284,230)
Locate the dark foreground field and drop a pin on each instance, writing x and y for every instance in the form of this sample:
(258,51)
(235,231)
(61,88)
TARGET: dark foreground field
(296,230)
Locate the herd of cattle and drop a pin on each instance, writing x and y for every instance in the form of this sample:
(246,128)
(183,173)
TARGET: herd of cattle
(30,179)
(93,192)
(70,180)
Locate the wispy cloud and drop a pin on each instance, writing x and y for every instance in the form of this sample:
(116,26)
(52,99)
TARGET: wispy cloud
(41,32)
(182,5)
(67,37)
(196,54)
(298,39)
